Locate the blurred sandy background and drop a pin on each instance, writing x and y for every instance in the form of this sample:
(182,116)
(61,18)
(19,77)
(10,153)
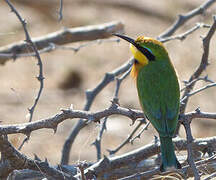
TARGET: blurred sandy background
(19,86)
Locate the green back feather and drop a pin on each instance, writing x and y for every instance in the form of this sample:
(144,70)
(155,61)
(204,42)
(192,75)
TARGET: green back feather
(158,91)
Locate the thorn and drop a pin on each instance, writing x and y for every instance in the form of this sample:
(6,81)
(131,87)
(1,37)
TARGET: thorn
(156,139)
(28,134)
(28,116)
(94,143)
(36,157)
(111,152)
(66,111)
(206,77)
(115,101)
(105,160)
(198,110)
(185,82)
(142,120)
(46,161)
(71,107)
(133,119)
(55,129)
(24,21)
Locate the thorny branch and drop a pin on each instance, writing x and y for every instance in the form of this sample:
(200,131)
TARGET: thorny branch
(17,160)
(29,41)
(203,64)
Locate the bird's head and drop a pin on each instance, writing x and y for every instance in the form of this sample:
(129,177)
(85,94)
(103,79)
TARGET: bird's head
(145,50)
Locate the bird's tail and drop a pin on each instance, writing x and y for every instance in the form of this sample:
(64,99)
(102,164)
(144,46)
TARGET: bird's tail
(169,159)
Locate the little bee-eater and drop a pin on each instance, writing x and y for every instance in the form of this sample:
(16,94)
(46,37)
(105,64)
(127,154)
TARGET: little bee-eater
(158,92)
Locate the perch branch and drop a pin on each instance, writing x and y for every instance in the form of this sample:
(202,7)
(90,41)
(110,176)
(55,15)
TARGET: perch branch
(136,157)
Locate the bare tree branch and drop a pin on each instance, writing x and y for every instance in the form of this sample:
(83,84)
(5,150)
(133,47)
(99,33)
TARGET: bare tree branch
(184,18)
(198,91)
(28,40)
(182,36)
(204,62)
(98,140)
(190,158)
(52,122)
(62,37)
(53,47)
(60,10)
(136,158)
(206,79)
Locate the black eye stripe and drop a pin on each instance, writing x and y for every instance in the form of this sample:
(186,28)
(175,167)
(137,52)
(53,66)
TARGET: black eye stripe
(136,61)
(143,50)
(146,52)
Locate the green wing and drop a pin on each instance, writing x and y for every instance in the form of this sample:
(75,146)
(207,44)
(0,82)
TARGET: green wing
(158,91)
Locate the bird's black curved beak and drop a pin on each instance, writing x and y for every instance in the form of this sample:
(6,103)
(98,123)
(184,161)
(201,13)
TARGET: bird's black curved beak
(144,50)
(128,39)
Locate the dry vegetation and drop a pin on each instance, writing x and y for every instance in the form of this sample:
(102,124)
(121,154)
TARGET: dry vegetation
(69,74)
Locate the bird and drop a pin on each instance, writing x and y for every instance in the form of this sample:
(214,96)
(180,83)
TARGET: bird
(158,92)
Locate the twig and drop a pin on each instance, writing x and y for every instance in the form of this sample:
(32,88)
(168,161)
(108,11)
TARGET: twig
(76,49)
(61,37)
(197,91)
(184,18)
(60,10)
(127,140)
(40,77)
(140,132)
(213,175)
(182,36)
(206,79)
(97,142)
(189,149)
(119,81)
(201,67)
(90,96)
